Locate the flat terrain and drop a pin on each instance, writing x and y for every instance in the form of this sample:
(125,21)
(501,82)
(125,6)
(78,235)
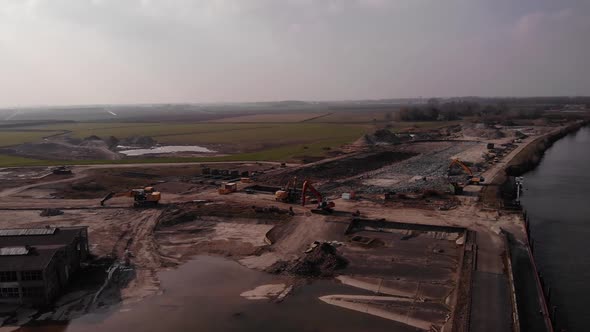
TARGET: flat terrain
(399,248)
(285,132)
(274,117)
(398,264)
(239,141)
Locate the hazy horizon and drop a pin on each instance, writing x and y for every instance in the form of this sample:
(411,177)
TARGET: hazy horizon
(97,52)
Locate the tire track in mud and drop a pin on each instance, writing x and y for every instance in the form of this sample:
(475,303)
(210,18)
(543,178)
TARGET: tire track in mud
(143,255)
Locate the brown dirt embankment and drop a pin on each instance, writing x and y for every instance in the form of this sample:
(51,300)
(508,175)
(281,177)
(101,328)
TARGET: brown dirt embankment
(526,160)
(532,154)
(342,167)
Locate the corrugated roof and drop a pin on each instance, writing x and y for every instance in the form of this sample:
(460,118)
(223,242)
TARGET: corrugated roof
(14,251)
(35,260)
(61,235)
(27,231)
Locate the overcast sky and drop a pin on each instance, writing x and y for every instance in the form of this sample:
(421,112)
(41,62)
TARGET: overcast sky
(150,51)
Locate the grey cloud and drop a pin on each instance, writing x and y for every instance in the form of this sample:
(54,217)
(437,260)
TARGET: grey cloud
(112,51)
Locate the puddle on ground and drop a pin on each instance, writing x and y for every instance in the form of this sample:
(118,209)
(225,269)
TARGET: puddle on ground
(204,295)
(165,149)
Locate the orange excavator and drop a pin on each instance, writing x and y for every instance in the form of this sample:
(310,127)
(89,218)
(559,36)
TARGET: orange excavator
(324,207)
(472,179)
(144,197)
(458,187)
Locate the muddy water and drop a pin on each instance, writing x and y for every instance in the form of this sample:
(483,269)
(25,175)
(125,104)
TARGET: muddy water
(557,198)
(204,295)
(166,149)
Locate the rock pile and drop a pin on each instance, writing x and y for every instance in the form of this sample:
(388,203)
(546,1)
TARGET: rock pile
(51,212)
(321,261)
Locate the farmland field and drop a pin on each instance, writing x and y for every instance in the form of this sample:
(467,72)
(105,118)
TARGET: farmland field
(246,137)
(354,117)
(241,141)
(272,117)
(8,138)
(282,132)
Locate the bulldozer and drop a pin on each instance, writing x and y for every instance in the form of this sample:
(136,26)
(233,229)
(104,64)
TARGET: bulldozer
(324,206)
(61,170)
(144,197)
(472,179)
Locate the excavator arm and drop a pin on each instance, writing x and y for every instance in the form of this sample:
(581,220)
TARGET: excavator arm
(308,186)
(462,165)
(324,207)
(291,184)
(113,195)
(472,178)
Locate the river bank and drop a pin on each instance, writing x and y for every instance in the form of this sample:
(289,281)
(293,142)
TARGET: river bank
(501,189)
(556,202)
(535,314)
(532,155)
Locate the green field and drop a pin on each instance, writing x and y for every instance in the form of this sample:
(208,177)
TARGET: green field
(281,141)
(8,138)
(241,141)
(404,126)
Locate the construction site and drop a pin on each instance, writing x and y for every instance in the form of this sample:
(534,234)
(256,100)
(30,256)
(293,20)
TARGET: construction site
(393,232)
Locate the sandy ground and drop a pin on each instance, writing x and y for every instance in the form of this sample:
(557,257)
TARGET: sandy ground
(260,237)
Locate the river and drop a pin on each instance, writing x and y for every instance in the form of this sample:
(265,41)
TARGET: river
(557,199)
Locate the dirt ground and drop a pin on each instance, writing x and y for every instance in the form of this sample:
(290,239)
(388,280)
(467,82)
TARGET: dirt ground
(418,277)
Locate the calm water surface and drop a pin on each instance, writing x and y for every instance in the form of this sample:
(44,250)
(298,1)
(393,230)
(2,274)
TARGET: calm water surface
(204,295)
(557,198)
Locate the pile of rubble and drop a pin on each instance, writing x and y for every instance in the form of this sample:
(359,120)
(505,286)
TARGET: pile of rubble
(320,260)
(51,212)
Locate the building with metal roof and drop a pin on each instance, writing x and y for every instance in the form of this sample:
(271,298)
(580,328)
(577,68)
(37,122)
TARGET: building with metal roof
(36,264)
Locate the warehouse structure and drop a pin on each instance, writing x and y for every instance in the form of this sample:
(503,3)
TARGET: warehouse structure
(36,264)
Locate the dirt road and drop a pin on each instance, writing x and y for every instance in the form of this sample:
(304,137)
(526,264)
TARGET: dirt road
(133,235)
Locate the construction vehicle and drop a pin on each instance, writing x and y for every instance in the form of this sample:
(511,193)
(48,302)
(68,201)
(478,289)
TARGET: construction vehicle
(61,170)
(457,188)
(472,179)
(324,207)
(288,194)
(142,197)
(228,188)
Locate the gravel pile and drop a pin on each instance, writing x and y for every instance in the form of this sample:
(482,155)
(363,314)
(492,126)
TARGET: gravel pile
(51,212)
(322,261)
(422,172)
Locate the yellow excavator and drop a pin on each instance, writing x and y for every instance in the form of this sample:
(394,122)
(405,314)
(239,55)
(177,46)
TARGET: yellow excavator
(144,197)
(472,179)
(288,194)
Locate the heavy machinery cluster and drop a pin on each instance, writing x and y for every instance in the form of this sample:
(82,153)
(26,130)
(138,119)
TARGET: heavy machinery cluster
(457,186)
(143,197)
(291,194)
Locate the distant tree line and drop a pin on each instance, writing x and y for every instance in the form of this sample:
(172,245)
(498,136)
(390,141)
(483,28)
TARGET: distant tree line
(437,111)
(488,111)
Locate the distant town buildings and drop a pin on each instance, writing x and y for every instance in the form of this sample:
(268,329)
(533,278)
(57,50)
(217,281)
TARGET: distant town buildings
(36,264)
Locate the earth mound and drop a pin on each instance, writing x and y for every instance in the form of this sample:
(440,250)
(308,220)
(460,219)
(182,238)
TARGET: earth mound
(321,261)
